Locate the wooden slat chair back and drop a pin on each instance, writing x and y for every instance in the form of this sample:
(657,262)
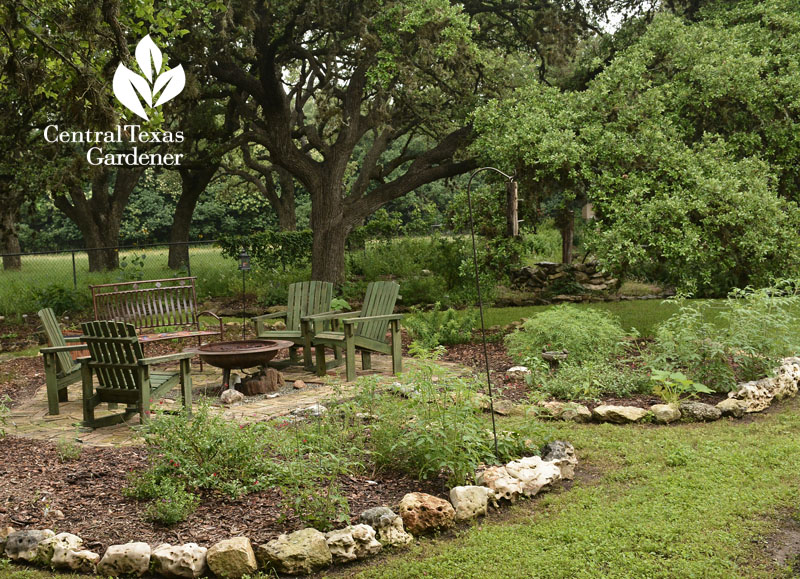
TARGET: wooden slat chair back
(60,369)
(123,373)
(378,301)
(365,329)
(305,299)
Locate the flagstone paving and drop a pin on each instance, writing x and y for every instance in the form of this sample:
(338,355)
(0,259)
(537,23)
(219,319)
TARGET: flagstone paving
(30,419)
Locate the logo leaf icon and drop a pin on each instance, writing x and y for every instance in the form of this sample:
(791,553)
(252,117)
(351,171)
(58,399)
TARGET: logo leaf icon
(125,81)
(172,81)
(128,83)
(147,51)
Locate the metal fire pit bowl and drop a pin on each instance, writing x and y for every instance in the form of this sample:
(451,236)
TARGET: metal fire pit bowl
(241,353)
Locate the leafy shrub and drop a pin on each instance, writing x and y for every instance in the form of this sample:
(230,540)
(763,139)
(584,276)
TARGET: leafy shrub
(61,298)
(439,430)
(270,248)
(439,327)
(587,334)
(591,380)
(673,387)
(750,334)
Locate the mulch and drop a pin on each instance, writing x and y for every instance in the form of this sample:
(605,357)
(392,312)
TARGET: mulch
(84,496)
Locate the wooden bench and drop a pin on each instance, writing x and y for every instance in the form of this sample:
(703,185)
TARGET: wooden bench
(159,309)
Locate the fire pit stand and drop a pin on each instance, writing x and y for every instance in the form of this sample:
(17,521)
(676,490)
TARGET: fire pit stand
(240,354)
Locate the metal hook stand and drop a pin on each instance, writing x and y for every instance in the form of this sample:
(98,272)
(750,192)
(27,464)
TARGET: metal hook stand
(509,178)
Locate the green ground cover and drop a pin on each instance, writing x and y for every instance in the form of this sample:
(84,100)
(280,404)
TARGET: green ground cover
(693,500)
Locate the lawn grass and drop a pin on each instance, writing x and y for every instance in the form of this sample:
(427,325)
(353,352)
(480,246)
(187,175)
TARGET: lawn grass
(690,500)
(644,315)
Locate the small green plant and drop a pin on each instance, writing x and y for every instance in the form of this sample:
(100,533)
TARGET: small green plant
(171,503)
(131,268)
(590,381)
(68,450)
(321,508)
(439,327)
(680,456)
(5,412)
(338,305)
(672,387)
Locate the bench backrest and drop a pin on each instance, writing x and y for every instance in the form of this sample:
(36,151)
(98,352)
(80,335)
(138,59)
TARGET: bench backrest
(115,352)
(64,362)
(147,304)
(307,298)
(378,301)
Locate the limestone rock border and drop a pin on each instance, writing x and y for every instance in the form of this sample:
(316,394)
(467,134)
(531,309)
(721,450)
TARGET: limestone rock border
(306,550)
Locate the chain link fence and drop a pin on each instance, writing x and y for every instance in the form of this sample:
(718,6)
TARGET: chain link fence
(53,276)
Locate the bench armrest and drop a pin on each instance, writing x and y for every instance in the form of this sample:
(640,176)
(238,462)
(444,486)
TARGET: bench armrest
(73,339)
(166,358)
(387,318)
(331,316)
(56,349)
(208,313)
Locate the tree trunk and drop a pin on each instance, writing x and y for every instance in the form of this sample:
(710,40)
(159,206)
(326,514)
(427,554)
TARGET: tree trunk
(285,208)
(193,183)
(512,214)
(9,238)
(329,235)
(567,235)
(99,218)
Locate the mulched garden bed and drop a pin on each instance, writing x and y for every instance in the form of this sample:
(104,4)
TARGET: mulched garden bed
(84,496)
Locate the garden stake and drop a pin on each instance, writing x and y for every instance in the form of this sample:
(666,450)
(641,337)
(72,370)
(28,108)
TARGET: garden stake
(510,179)
(244,266)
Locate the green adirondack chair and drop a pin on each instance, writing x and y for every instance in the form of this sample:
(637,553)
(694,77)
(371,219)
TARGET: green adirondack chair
(364,329)
(60,370)
(123,373)
(305,298)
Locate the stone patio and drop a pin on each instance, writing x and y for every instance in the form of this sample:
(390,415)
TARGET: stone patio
(30,419)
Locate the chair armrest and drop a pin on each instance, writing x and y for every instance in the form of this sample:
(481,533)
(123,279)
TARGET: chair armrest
(166,358)
(330,316)
(74,339)
(387,318)
(56,349)
(270,316)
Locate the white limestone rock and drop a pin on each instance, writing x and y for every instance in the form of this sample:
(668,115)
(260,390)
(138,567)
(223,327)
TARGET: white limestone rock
(470,501)
(388,526)
(231,397)
(618,414)
(298,553)
(127,559)
(534,474)
(504,485)
(732,407)
(24,545)
(352,543)
(665,413)
(63,542)
(178,561)
(562,454)
(232,558)
(79,561)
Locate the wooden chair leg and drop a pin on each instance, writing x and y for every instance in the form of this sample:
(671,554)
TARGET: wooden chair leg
(350,360)
(366,360)
(144,395)
(52,383)
(397,351)
(88,396)
(319,351)
(306,331)
(186,386)
(63,394)
(293,359)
